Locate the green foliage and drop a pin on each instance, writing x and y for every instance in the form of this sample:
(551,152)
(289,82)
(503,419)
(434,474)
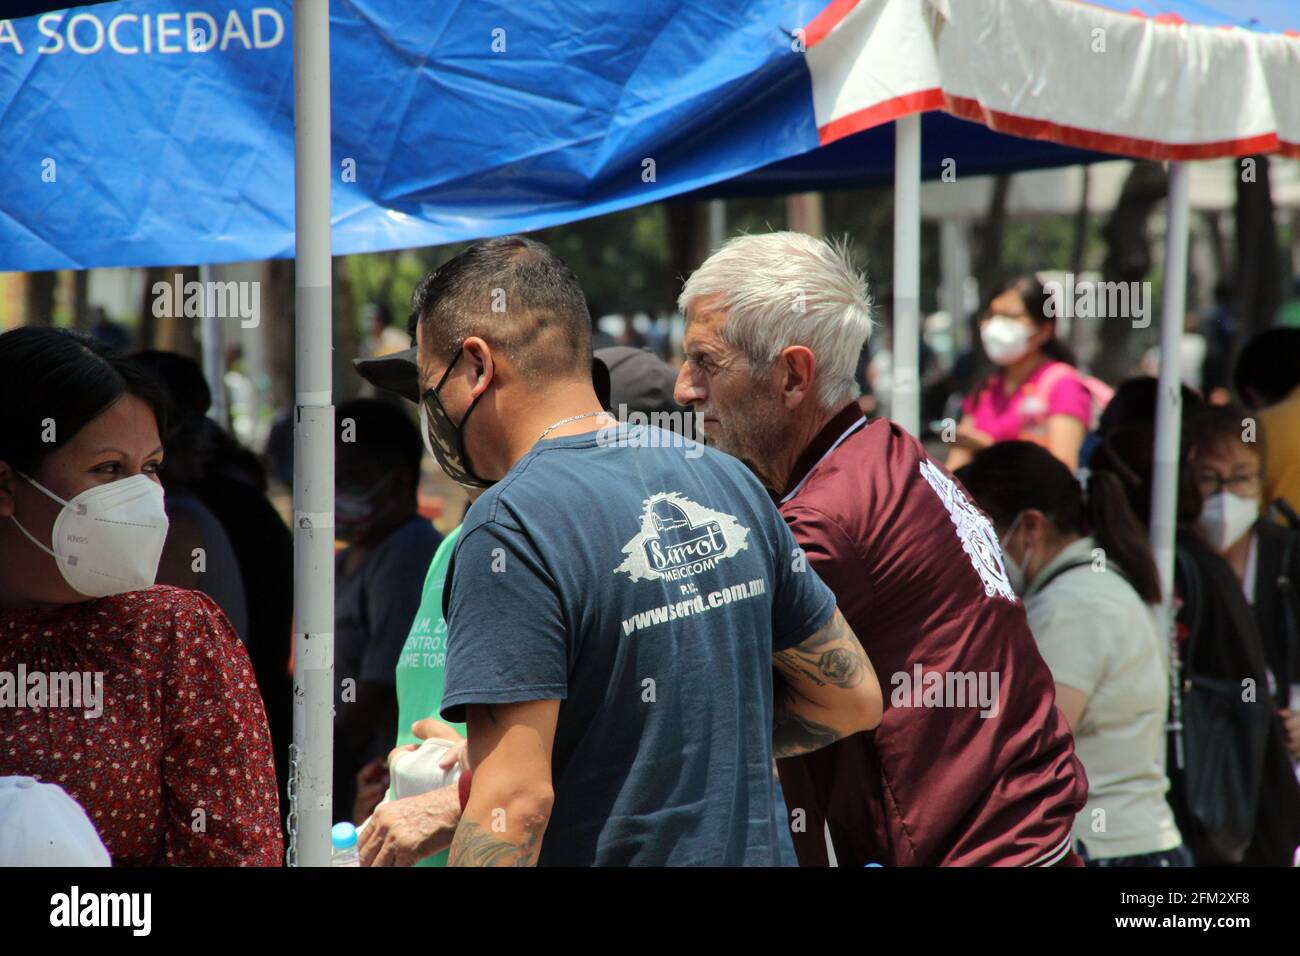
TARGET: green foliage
(387,278)
(624,259)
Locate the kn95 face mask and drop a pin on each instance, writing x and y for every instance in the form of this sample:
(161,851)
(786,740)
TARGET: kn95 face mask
(1005,339)
(1225,518)
(108,539)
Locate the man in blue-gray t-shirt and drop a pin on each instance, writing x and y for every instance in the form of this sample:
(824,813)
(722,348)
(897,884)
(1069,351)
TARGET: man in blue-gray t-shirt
(617,600)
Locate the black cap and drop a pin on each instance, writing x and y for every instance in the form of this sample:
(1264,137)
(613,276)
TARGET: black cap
(398,372)
(640,380)
(395,372)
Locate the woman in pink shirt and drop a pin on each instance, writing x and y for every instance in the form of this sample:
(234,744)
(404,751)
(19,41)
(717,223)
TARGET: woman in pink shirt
(1036,395)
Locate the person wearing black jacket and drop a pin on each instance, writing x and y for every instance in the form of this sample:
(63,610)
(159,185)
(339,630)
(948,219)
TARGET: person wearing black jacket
(1220,640)
(1233,788)
(1277,609)
(1226,456)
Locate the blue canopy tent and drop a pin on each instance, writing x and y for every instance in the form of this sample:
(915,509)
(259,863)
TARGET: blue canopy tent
(184,153)
(867,159)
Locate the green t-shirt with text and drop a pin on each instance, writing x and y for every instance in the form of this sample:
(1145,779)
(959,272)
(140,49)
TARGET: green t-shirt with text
(423,661)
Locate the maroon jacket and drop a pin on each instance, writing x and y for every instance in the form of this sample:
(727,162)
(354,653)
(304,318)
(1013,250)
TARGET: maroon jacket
(919,576)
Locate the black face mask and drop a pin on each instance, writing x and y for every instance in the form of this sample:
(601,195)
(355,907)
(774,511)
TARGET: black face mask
(445,439)
(360,510)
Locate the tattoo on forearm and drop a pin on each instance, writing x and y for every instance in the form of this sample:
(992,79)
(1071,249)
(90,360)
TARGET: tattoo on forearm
(793,735)
(823,659)
(474,846)
(831,656)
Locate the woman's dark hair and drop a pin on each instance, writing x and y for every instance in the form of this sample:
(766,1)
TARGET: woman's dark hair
(197,447)
(1035,297)
(1223,426)
(1129,452)
(1269,365)
(180,381)
(182,378)
(64,377)
(1011,476)
(383,434)
(1134,403)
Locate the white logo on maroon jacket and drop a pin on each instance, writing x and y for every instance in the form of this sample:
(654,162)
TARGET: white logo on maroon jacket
(978,539)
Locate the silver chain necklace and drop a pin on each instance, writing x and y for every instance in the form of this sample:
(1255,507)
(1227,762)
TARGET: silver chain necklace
(565,421)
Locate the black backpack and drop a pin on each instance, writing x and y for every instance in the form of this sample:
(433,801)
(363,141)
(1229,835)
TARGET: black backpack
(1223,739)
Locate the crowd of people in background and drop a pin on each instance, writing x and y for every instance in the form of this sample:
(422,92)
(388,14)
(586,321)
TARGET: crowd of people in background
(140,541)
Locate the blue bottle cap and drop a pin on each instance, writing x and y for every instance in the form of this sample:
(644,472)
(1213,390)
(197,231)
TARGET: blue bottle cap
(343,835)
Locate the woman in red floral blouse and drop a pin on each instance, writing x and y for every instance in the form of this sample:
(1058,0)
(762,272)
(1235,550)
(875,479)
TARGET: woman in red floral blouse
(171,759)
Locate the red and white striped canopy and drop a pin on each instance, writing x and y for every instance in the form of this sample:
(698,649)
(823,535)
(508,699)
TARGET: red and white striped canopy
(1075,73)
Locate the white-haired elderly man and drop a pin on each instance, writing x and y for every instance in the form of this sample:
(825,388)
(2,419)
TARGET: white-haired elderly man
(972,763)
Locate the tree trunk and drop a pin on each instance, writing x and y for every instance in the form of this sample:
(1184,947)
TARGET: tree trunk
(347,334)
(173,330)
(81,299)
(1128,259)
(40,297)
(988,270)
(1222,261)
(688,240)
(1293,254)
(1079,252)
(147,331)
(804,212)
(277,326)
(1258,273)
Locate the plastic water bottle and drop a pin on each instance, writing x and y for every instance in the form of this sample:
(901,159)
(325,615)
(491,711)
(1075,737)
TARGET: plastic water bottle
(343,837)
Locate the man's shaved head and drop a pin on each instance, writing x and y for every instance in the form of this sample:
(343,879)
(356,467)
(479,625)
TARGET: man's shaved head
(519,297)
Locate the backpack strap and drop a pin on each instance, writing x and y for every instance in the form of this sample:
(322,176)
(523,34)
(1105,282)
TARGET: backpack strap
(1286,585)
(1055,372)
(1285,514)
(1098,392)
(1191,603)
(1177,678)
(1081,563)
(1042,585)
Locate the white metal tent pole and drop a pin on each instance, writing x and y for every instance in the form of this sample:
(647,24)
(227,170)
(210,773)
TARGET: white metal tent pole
(313,459)
(905,407)
(1169,407)
(717,223)
(954,276)
(213,339)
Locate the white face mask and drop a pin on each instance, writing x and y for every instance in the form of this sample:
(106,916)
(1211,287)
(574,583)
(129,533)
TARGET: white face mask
(108,539)
(1225,518)
(1016,575)
(1006,340)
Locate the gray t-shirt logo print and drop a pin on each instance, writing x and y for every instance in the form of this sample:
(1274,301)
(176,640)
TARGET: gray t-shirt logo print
(680,538)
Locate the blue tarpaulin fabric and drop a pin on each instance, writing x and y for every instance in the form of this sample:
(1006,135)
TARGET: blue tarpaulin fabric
(146,132)
(867,159)
(138,133)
